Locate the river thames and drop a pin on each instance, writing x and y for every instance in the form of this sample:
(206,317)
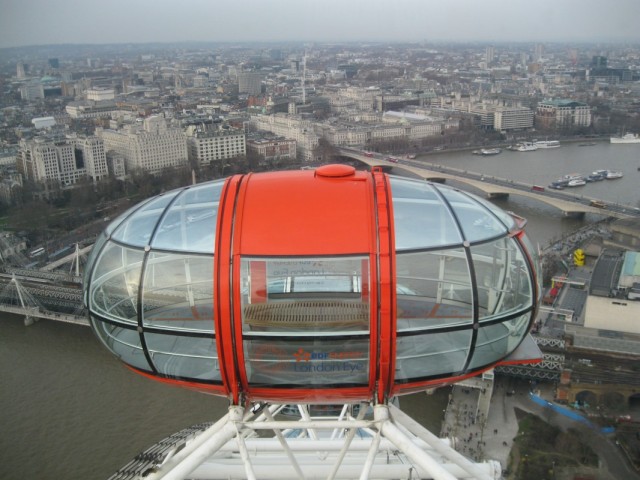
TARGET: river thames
(69,409)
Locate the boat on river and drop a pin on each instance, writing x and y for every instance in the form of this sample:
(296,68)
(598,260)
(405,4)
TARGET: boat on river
(527,147)
(576,182)
(490,151)
(608,174)
(547,143)
(487,151)
(626,138)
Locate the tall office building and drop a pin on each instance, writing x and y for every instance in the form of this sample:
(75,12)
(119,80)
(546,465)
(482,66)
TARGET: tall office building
(62,161)
(489,55)
(250,82)
(150,148)
(20,71)
(210,142)
(90,152)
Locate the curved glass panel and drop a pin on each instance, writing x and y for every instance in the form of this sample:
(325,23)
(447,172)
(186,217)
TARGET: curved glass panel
(190,222)
(184,356)
(476,221)
(115,282)
(504,217)
(433,289)
(97,246)
(178,292)
(123,342)
(502,277)
(496,341)
(421,218)
(535,258)
(137,229)
(120,218)
(422,356)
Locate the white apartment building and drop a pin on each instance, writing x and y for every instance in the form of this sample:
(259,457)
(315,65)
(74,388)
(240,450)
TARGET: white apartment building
(63,161)
(91,109)
(209,142)
(273,148)
(512,118)
(90,152)
(289,126)
(563,114)
(150,148)
(100,94)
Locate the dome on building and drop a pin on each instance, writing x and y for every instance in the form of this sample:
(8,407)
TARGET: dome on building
(316,285)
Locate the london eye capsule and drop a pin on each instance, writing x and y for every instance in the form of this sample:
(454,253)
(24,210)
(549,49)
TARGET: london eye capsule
(318,286)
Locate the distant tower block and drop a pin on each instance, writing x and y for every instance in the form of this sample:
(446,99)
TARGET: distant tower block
(324,286)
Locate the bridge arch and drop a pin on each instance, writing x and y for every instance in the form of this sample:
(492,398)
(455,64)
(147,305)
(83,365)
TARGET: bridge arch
(586,397)
(634,401)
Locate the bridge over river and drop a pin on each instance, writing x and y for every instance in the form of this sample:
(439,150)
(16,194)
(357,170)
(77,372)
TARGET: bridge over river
(566,201)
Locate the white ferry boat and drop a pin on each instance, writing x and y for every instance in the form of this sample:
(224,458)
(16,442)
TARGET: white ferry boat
(608,174)
(626,138)
(577,182)
(527,147)
(490,151)
(547,143)
(611,175)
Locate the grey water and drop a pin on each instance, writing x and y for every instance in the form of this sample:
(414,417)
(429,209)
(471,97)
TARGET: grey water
(70,410)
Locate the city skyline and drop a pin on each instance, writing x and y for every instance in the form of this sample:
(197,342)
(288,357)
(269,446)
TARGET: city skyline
(37,22)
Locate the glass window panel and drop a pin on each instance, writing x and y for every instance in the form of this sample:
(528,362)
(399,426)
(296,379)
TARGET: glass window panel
(185,357)
(477,221)
(423,356)
(137,229)
(190,222)
(97,246)
(421,218)
(535,257)
(433,289)
(123,342)
(115,223)
(496,341)
(504,217)
(115,281)
(305,296)
(178,292)
(307,363)
(502,276)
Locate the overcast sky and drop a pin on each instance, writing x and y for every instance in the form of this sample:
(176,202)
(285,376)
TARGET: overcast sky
(38,22)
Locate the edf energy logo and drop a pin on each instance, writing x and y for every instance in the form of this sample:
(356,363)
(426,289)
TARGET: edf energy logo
(326,362)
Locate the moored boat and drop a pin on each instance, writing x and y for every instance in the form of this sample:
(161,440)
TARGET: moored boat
(576,182)
(547,143)
(490,151)
(626,138)
(594,177)
(612,175)
(527,147)
(572,176)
